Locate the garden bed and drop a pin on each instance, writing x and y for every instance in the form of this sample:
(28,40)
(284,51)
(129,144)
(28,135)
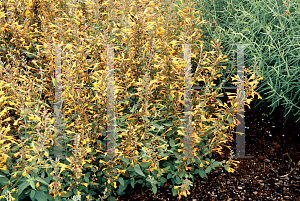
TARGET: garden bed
(273,173)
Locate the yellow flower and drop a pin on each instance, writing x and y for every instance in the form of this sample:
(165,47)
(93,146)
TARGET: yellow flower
(8,119)
(180,132)
(248,101)
(165,158)
(24,174)
(259,97)
(230,170)
(85,184)
(2,15)
(31,158)
(78,192)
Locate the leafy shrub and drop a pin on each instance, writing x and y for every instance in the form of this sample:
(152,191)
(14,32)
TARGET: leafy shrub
(149,98)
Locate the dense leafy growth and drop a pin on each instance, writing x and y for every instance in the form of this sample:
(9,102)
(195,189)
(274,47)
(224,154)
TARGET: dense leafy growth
(149,94)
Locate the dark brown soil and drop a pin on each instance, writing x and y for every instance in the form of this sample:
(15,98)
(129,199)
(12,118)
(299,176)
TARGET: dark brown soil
(273,173)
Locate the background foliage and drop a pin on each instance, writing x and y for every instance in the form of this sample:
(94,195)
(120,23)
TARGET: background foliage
(273,28)
(149,79)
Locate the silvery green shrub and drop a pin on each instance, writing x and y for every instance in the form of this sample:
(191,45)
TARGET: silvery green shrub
(273,28)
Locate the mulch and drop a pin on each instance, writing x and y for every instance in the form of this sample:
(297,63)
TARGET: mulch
(272,174)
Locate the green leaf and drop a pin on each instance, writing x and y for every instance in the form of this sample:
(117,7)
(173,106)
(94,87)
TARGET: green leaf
(45,104)
(41,196)
(68,194)
(156,125)
(168,124)
(174,191)
(145,118)
(121,190)
(221,103)
(48,179)
(87,176)
(29,104)
(188,161)
(230,119)
(3,180)
(132,183)
(202,174)
(32,184)
(133,108)
(138,170)
(172,143)
(208,169)
(121,180)
(5,190)
(125,160)
(22,187)
(145,164)
(30,56)
(42,188)
(216,164)
(154,189)
(36,35)
(177,180)
(32,194)
(111,198)
(170,97)
(180,174)
(163,180)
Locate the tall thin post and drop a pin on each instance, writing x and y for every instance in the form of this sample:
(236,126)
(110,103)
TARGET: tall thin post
(187,103)
(110,102)
(58,104)
(240,129)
